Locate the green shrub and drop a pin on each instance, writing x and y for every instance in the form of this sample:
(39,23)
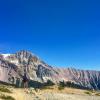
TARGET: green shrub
(6,97)
(60,87)
(88,92)
(71,84)
(62,84)
(4,89)
(49,83)
(97,94)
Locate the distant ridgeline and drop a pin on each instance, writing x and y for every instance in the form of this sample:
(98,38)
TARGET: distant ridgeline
(12,67)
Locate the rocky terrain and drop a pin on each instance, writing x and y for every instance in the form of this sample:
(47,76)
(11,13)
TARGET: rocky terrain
(13,66)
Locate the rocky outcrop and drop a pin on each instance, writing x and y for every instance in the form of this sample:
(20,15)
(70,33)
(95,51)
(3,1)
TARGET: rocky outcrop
(13,66)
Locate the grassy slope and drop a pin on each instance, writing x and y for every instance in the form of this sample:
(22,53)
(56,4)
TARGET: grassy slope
(51,93)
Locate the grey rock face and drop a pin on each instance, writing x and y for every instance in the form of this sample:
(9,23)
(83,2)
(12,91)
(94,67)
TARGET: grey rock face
(87,78)
(8,72)
(13,66)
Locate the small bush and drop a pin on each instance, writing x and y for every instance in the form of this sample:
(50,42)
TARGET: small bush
(88,92)
(71,84)
(97,94)
(6,97)
(49,83)
(60,87)
(4,89)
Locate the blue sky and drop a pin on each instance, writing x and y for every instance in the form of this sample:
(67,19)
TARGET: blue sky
(61,32)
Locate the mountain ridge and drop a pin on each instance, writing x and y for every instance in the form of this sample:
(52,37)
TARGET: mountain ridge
(12,66)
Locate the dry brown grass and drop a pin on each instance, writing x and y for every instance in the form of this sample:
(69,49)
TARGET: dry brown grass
(51,93)
(55,89)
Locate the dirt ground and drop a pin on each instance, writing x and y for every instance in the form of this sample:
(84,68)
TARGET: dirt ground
(51,94)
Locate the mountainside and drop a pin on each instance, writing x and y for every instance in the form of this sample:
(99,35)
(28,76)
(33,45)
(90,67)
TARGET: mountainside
(13,66)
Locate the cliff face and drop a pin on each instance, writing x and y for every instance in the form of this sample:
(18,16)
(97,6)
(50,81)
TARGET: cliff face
(85,78)
(25,61)
(13,66)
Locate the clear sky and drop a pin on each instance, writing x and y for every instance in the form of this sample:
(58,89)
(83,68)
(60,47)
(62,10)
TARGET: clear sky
(61,32)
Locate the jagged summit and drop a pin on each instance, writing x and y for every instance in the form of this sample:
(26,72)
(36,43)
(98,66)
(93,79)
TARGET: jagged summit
(12,66)
(24,53)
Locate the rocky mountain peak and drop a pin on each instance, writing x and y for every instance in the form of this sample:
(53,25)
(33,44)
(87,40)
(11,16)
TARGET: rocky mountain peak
(13,65)
(24,54)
